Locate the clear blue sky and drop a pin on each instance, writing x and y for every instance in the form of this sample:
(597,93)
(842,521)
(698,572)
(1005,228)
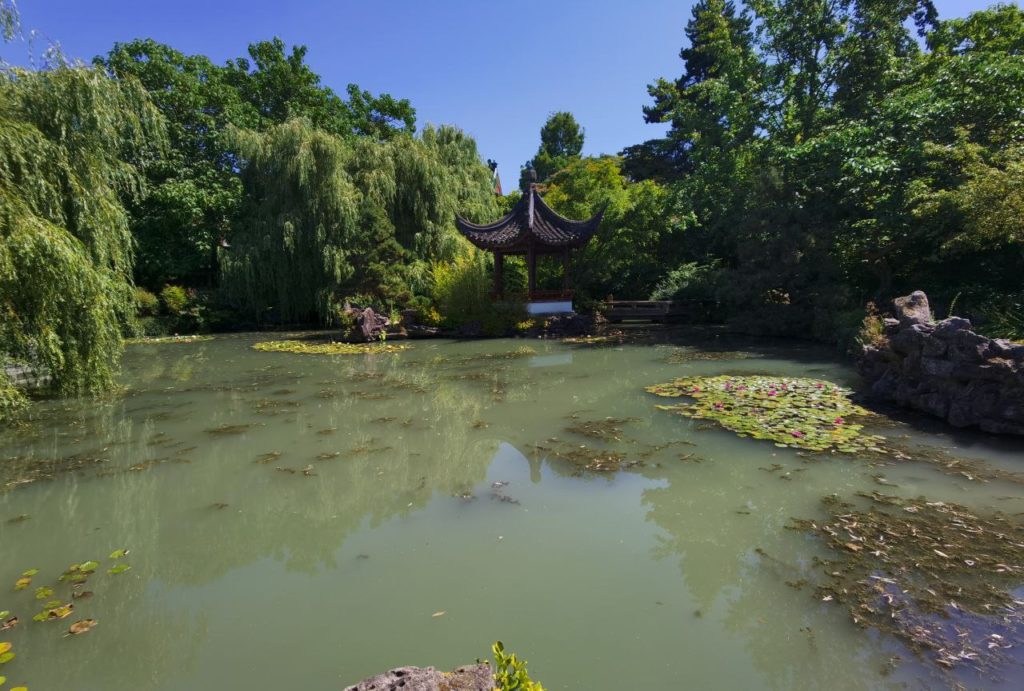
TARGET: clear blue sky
(496,69)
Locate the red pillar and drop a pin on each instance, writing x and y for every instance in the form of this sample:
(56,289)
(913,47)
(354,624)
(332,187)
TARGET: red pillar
(565,271)
(531,268)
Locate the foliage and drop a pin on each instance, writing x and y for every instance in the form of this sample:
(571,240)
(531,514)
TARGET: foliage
(327,217)
(331,348)
(175,300)
(462,292)
(68,141)
(146,304)
(690,281)
(510,672)
(196,189)
(639,235)
(561,141)
(801,413)
(826,159)
(12,401)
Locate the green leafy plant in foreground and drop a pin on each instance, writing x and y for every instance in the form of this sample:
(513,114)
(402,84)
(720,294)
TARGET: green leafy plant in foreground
(801,413)
(510,672)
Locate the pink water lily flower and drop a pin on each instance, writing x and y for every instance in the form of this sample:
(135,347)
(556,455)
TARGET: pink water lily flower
(797,433)
(840,421)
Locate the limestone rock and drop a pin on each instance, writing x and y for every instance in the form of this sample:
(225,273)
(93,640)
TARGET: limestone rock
(913,309)
(476,677)
(947,370)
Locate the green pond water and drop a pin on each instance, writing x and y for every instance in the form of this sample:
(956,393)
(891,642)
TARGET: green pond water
(302,521)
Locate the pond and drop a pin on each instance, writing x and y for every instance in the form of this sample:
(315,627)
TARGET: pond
(299,521)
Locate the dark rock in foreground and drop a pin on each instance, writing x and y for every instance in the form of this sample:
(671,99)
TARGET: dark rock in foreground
(469,678)
(947,370)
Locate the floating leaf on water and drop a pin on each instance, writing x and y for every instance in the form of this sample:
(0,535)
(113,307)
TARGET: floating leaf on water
(5,658)
(52,603)
(30,573)
(118,553)
(228,429)
(802,413)
(119,568)
(22,583)
(53,613)
(4,647)
(328,348)
(88,566)
(81,626)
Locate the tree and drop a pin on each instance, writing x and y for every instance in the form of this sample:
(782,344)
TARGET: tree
(561,141)
(71,142)
(196,190)
(639,235)
(328,218)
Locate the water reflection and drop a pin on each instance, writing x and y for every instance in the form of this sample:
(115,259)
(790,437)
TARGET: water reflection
(335,503)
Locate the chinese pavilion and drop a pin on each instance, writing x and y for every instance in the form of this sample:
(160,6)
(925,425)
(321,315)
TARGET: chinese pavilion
(533,229)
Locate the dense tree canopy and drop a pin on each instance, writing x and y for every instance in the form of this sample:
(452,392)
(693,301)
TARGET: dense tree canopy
(72,144)
(561,141)
(196,190)
(329,218)
(828,158)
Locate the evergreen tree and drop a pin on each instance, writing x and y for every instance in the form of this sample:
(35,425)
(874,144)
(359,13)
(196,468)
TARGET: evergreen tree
(561,141)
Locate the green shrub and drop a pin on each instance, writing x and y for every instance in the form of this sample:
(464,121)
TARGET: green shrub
(510,672)
(176,300)
(461,289)
(146,304)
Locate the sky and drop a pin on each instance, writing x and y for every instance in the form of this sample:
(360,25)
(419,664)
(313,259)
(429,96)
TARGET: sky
(495,69)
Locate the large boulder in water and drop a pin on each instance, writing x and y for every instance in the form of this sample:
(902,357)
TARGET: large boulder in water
(476,677)
(370,323)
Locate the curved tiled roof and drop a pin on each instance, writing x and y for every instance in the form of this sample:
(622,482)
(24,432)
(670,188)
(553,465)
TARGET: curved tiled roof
(530,220)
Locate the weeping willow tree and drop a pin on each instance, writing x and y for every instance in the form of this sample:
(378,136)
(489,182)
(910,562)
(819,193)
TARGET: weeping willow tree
(328,218)
(70,143)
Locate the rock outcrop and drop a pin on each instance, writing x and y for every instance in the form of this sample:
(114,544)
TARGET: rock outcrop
(945,369)
(476,677)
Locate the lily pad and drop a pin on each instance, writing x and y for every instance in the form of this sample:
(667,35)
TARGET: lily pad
(328,348)
(802,413)
(120,568)
(118,553)
(88,566)
(82,626)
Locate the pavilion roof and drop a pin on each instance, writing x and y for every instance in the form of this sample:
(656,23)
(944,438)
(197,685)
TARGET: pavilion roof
(531,221)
